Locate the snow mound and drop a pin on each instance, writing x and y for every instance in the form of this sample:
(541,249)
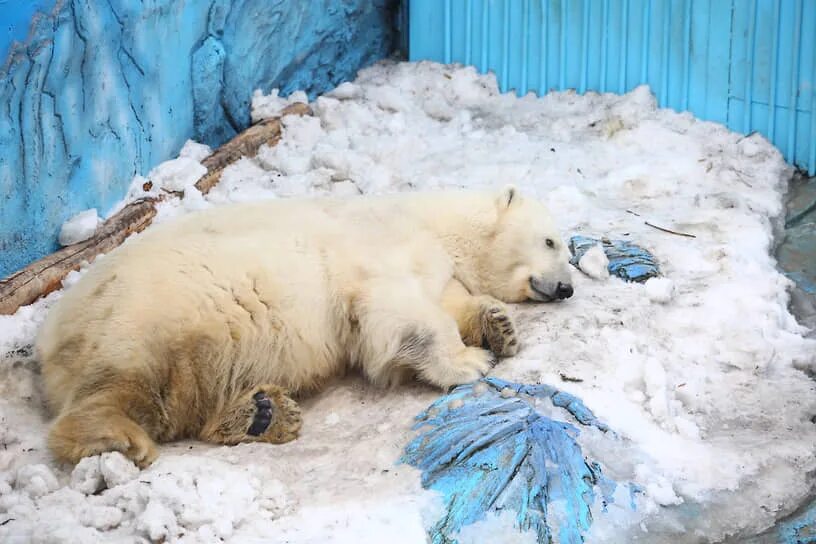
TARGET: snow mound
(79,228)
(699,380)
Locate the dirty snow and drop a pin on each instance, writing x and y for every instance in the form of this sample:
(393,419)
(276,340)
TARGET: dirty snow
(700,375)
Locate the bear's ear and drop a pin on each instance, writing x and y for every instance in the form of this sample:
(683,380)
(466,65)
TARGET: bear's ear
(508,196)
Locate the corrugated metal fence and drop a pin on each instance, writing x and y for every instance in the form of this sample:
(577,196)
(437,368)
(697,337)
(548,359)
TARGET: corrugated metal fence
(710,57)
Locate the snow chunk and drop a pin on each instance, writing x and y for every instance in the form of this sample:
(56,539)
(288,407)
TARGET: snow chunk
(117,469)
(657,487)
(194,150)
(87,476)
(272,104)
(344,91)
(659,290)
(158,521)
(594,263)
(177,174)
(79,228)
(35,480)
(102,518)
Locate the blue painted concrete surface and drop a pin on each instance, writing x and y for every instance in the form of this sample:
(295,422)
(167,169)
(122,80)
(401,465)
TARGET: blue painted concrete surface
(105,90)
(710,57)
(627,261)
(15,20)
(487,449)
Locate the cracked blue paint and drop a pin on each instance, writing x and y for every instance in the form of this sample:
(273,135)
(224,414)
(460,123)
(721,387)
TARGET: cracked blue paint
(626,260)
(486,449)
(102,90)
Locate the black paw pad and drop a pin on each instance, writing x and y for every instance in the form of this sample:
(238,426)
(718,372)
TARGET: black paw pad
(263,414)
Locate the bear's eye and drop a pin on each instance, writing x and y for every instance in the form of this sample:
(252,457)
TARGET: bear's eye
(550,242)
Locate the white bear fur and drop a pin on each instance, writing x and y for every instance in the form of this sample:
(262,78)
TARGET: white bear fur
(189,315)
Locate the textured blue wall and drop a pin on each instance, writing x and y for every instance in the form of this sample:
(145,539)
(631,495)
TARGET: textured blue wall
(104,90)
(15,19)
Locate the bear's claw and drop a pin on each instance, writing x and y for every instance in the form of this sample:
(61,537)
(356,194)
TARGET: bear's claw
(264,410)
(499,331)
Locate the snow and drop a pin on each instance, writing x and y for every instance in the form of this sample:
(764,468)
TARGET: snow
(194,150)
(79,227)
(698,373)
(177,174)
(594,263)
(659,289)
(266,106)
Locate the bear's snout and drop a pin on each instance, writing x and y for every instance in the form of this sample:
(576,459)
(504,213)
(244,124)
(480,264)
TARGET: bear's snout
(546,291)
(563,290)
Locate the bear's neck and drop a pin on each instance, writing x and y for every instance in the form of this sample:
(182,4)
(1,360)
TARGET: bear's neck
(464,227)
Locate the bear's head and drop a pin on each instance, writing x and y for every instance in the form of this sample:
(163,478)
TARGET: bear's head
(525,258)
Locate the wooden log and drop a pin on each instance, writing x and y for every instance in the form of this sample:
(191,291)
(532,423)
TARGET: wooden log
(246,144)
(45,275)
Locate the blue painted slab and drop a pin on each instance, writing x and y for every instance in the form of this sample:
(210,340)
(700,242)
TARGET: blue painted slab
(487,449)
(627,261)
(15,20)
(710,57)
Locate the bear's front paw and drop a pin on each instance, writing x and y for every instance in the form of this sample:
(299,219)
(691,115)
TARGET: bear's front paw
(498,330)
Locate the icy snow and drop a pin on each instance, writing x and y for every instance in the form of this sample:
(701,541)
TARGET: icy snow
(594,263)
(177,174)
(659,289)
(194,150)
(698,373)
(271,105)
(79,227)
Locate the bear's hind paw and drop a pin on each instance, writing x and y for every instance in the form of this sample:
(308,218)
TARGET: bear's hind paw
(265,414)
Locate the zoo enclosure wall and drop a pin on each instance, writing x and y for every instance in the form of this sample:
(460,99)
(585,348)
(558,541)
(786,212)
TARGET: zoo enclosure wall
(748,64)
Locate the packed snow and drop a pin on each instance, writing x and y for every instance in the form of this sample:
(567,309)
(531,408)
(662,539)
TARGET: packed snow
(594,263)
(701,373)
(79,227)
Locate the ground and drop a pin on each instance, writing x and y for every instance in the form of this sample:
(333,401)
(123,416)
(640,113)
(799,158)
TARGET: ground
(704,384)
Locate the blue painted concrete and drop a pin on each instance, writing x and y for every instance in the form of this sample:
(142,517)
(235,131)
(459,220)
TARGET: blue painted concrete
(486,449)
(104,90)
(627,261)
(15,19)
(710,57)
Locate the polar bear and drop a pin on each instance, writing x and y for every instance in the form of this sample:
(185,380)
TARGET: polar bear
(206,326)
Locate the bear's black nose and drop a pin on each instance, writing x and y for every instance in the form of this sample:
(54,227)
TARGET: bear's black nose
(563,290)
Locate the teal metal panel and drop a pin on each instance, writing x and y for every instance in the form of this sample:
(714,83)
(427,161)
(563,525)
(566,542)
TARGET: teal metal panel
(710,57)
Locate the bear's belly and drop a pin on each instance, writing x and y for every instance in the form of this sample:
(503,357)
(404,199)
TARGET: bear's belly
(260,335)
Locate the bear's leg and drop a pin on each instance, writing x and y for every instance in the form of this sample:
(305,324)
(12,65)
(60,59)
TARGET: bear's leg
(96,425)
(482,320)
(263,414)
(404,332)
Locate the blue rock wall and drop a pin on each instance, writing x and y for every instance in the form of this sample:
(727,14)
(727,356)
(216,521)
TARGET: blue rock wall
(105,89)
(15,19)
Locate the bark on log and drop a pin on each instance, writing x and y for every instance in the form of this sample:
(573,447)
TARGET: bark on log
(246,144)
(45,275)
